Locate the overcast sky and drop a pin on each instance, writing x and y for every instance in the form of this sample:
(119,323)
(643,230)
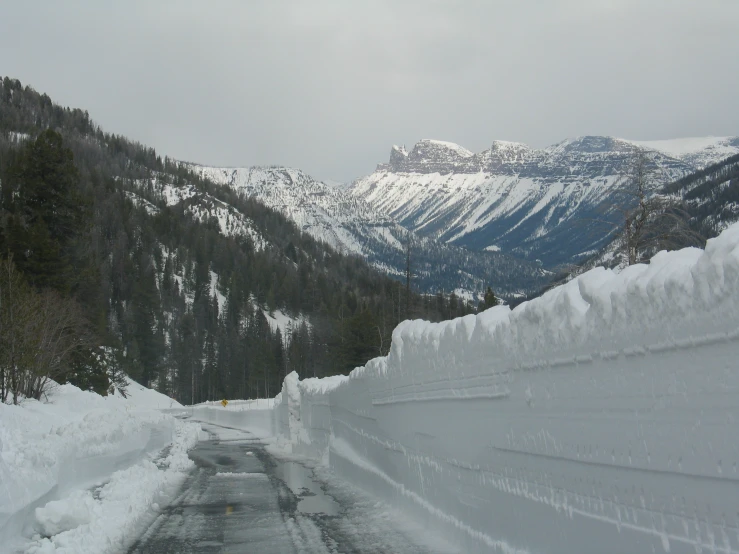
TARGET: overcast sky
(329,86)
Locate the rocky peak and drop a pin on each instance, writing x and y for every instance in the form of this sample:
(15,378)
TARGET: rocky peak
(438,151)
(398,155)
(430,156)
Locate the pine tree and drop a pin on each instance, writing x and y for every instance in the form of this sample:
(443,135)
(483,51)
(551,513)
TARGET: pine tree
(146,314)
(48,213)
(490,299)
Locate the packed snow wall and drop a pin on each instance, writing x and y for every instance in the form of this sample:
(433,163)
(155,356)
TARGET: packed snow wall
(254,416)
(74,440)
(601,417)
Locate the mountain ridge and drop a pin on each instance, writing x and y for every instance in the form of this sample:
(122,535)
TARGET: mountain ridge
(538,204)
(349,224)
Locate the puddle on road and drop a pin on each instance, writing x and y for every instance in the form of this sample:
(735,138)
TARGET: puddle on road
(311,498)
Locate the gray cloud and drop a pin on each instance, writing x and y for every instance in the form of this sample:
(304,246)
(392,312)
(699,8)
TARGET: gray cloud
(328,86)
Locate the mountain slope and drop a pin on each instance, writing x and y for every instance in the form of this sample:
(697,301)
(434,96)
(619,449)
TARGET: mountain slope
(708,200)
(700,152)
(190,287)
(712,195)
(538,204)
(349,224)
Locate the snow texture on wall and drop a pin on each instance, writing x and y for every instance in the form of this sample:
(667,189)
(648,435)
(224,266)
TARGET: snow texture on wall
(601,417)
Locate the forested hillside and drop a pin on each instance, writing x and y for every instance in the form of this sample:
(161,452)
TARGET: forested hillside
(185,285)
(685,212)
(351,225)
(712,195)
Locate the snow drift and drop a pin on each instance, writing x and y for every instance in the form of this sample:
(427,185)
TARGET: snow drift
(599,417)
(78,471)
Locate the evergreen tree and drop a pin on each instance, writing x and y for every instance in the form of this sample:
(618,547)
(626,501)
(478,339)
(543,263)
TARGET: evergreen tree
(141,266)
(47,212)
(490,299)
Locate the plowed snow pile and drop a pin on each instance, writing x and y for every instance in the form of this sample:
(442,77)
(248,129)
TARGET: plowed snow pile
(601,417)
(80,472)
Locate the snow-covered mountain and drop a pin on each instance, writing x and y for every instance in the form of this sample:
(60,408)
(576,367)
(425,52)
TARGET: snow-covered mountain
(351,225)
(699,152)
(324,211)
(538,204)
(202,206)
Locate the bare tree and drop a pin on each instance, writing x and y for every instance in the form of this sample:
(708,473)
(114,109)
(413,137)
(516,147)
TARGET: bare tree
(651,221)
(17,308)
(58,333)
(408,276)
(40,335)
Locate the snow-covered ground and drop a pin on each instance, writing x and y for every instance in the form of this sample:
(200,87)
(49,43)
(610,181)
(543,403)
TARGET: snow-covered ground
(81,473)
(601,417)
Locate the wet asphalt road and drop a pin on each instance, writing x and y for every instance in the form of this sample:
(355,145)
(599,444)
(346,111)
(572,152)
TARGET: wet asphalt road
(240,499)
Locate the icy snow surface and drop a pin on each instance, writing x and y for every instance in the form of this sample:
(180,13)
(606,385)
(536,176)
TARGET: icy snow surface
(81,473)
(601,417)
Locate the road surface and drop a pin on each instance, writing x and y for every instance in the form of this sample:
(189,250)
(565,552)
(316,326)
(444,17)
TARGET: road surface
(239,498)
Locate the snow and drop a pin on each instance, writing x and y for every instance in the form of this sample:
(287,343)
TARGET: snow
(18,137)
(143,397)
(313,385)
(174,195)
(681,146)
(324,211)
(243,475)
(231,222)
(466,295)
(598,417)
(279,320)
(463,152)
(466,203)
(214,291)
(254,416)
(137,200)
(334,184)
(79,473)
(339,219)
(509,145)
(520,199)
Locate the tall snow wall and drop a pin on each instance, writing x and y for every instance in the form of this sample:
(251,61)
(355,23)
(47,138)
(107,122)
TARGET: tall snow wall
(255,416)
(601,417)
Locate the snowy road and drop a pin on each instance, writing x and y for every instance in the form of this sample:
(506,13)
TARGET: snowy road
(241,499)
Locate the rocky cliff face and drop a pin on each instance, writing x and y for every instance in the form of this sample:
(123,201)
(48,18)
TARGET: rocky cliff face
(546,205)
(435,156)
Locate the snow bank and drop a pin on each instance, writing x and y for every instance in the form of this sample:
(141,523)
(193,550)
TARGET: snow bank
(599,417)
(53,453)
(144,397)
(254,416)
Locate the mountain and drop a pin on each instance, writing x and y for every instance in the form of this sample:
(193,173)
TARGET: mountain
(185,284)
(547,205)
(699,152)
(701,205)
(351,225)
(711,195)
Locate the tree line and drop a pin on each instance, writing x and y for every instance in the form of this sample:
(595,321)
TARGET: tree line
(148,290)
